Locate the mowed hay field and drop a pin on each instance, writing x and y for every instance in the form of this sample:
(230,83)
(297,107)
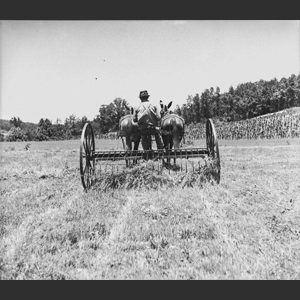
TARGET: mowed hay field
(247,227)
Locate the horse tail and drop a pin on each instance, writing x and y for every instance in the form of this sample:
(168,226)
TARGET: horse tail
(175,134)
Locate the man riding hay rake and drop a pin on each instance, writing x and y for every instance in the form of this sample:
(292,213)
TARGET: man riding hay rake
(148,121)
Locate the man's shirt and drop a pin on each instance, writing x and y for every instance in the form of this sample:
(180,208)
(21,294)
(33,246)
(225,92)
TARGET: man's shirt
(146,115)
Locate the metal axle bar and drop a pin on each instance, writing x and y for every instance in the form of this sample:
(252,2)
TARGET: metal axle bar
(150,154)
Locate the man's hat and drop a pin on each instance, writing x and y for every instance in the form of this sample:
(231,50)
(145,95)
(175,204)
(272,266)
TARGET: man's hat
(144,94)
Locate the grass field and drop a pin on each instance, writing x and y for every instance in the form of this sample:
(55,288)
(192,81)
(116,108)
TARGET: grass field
(247,227)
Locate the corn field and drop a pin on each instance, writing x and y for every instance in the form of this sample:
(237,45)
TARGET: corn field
(284,124)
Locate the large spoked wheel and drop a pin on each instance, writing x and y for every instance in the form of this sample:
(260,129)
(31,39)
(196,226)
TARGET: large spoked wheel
(213,147)
(87,160)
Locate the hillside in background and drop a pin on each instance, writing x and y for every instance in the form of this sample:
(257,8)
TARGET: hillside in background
(246,101)
(236,111)
(281,124)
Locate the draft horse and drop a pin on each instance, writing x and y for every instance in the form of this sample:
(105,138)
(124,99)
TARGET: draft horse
(129,131)
(172,127)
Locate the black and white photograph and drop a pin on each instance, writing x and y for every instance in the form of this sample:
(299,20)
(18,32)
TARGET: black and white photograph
(149,149)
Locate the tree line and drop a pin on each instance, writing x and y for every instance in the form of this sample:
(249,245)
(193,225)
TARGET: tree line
(105,122)
(246,101)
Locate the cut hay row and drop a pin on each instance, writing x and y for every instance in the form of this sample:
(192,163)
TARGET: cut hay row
(284,124)
(143,176)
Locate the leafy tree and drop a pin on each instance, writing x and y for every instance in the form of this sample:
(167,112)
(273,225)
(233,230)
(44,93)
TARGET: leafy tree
(185,113)
(96,125)
(205,103)
(73,126)
(16,134)
(177,110)
(189,109)
(119,109)
(30,131)
(216,100)
(58,131)
(105,120)
(16,122)
(109,115)
(5,125)
(196,109)
(44,132)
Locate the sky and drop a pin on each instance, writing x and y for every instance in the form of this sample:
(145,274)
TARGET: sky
(53,69)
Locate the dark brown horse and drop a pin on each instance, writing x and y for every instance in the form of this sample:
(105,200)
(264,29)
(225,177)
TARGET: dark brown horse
(172,127)
(129,131)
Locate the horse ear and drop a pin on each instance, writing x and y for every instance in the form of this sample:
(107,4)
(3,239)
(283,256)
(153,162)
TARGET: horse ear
(169,105)
(161,103)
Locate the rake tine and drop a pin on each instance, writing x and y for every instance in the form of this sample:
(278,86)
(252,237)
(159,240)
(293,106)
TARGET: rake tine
(181,164)
(186,159)
(169,168)
(158,168)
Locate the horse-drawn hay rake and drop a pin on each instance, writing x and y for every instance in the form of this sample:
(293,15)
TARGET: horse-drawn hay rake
(113,161)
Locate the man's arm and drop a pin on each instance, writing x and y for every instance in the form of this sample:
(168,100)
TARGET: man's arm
(158,117)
